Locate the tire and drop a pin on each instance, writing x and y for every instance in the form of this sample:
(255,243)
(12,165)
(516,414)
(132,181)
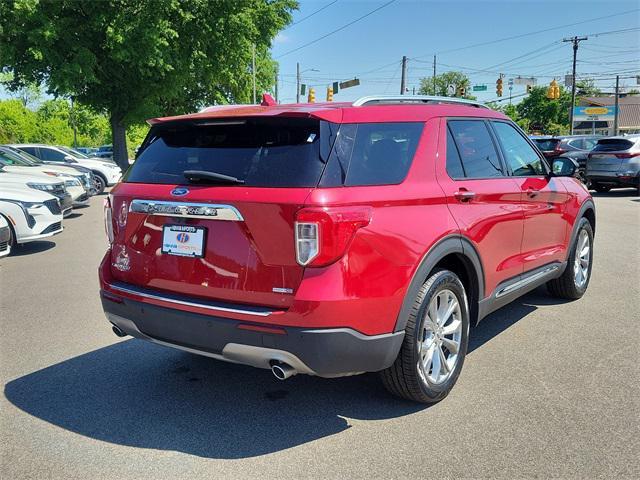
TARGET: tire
(569,285)
(601,188)
(100,183)
(406,378)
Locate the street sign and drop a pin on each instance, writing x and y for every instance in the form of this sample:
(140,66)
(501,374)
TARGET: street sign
(479,88)
(568,80)
(350,83)
(524,80)
(303,89)
(593,114)
(336,87)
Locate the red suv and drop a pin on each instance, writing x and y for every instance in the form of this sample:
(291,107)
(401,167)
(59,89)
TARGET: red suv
(339,238)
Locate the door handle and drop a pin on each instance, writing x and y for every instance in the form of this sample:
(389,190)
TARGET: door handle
(532,193)
(463,195)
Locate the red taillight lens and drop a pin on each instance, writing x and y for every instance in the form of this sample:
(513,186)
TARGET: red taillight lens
(108,219)
(627,154)
(323,234)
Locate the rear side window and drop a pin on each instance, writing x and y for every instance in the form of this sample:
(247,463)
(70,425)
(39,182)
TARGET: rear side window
(476,148)
(518,153)
(612,145)
(454,164)
(30,150)
(262,152)
(372,154)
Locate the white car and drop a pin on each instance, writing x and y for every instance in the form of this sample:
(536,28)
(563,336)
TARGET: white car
(40,181)
(17,157)
(73,185)
(5,237)
(106,172)
(31,214)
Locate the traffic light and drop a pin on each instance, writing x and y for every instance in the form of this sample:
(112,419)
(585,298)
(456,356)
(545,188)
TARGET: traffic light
(499,87)
(329,94)
(312,95)
(529,88)
(553,92)
(461,91)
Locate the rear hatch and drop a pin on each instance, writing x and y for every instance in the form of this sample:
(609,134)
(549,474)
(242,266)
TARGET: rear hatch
(609,155)
(208,208)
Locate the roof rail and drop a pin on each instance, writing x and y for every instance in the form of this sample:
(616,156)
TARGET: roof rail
(416,99)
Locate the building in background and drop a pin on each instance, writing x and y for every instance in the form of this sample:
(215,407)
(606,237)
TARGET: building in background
(628,115)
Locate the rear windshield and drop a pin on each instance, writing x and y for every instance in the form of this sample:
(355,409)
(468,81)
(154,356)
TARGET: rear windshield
(546,144)
(612,145)
(261,152)
(278,152)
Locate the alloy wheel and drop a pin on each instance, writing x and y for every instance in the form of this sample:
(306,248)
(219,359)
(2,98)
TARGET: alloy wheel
(439,342)
(582,259)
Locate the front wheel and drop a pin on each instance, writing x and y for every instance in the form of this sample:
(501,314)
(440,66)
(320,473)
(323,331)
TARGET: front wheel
(435,342)
(99,184)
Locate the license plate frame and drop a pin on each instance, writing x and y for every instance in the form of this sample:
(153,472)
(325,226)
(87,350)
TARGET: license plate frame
(194,237)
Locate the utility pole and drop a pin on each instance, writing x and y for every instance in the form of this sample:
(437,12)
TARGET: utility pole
(276,92)
(615,115)
(434,75)
(73,120)
(253,71)
(297,82)
(575,41)
(403,80)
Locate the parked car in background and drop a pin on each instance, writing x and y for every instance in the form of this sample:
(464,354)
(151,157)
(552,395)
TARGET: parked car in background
(615,163)
(31,214)
(547,145)
(336,239)
(88,180)
(105,151)
(88,151)
(105,173)
(73,183)
(5,237)
(38,181)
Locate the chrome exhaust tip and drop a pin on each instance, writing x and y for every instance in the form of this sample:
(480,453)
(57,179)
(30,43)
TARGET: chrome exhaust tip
(282,371)
(118,331)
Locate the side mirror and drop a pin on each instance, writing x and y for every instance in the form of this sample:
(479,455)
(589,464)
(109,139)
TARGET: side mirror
(564,167)
(70,159)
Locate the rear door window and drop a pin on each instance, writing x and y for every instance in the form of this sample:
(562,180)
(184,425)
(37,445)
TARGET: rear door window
(261,152)
(476,148)
(372,154)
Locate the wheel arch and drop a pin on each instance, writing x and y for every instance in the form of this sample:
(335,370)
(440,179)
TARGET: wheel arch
(587,210)
(454,253)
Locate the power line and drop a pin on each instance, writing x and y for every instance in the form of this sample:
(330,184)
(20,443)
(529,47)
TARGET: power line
(312,14)
(513,37)
(337,29)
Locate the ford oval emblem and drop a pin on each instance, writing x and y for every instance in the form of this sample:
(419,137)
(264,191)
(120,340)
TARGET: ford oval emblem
(179,191)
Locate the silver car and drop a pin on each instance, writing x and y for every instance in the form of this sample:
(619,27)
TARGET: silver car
(615,163)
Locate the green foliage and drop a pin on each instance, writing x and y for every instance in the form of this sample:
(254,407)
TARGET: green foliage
(553,115)
(459,79)
(138,59)
(17,123)
(587,88)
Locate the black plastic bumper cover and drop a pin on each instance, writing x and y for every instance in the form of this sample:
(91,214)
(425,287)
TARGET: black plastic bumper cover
(327,352)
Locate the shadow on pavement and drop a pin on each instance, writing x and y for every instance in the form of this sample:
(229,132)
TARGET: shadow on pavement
(32,247)
(73,215)
(142,395)
(617,193)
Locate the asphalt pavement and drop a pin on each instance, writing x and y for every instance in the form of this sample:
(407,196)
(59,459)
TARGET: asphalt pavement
(549,389)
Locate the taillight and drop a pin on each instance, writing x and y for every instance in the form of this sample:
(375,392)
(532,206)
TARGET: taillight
(627,154)
(108,219)
(322,235)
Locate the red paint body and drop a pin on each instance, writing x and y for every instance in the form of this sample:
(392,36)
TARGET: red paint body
(515,223)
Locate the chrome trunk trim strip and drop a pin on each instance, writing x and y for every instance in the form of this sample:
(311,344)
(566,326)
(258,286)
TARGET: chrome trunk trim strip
(207,211)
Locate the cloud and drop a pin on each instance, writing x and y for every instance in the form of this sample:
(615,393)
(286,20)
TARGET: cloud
(280,39)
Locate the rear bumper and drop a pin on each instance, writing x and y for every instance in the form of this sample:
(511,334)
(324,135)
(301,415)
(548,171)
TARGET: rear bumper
(615,179)
(323,352)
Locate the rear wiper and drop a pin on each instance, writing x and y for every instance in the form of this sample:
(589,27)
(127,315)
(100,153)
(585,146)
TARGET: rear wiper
(202,175)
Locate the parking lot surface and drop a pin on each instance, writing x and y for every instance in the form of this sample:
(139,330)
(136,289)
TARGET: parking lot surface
(549,389)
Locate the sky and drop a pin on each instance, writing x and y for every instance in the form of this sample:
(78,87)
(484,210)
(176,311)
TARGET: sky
(371,49)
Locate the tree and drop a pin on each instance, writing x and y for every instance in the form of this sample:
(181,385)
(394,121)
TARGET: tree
(587,88)
(457,79)
(135,59)
(552,115)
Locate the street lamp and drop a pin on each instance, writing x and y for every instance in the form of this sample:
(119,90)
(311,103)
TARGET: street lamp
(298,79)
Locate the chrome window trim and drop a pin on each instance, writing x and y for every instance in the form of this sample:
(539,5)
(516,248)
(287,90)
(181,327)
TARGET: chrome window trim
(189,304)
(210,211)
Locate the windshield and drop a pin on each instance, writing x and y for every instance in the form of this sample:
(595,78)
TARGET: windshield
(258,152)
(8,157)
(73,153)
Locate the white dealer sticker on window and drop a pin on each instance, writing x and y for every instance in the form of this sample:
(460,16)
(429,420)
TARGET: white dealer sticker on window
(183,240)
